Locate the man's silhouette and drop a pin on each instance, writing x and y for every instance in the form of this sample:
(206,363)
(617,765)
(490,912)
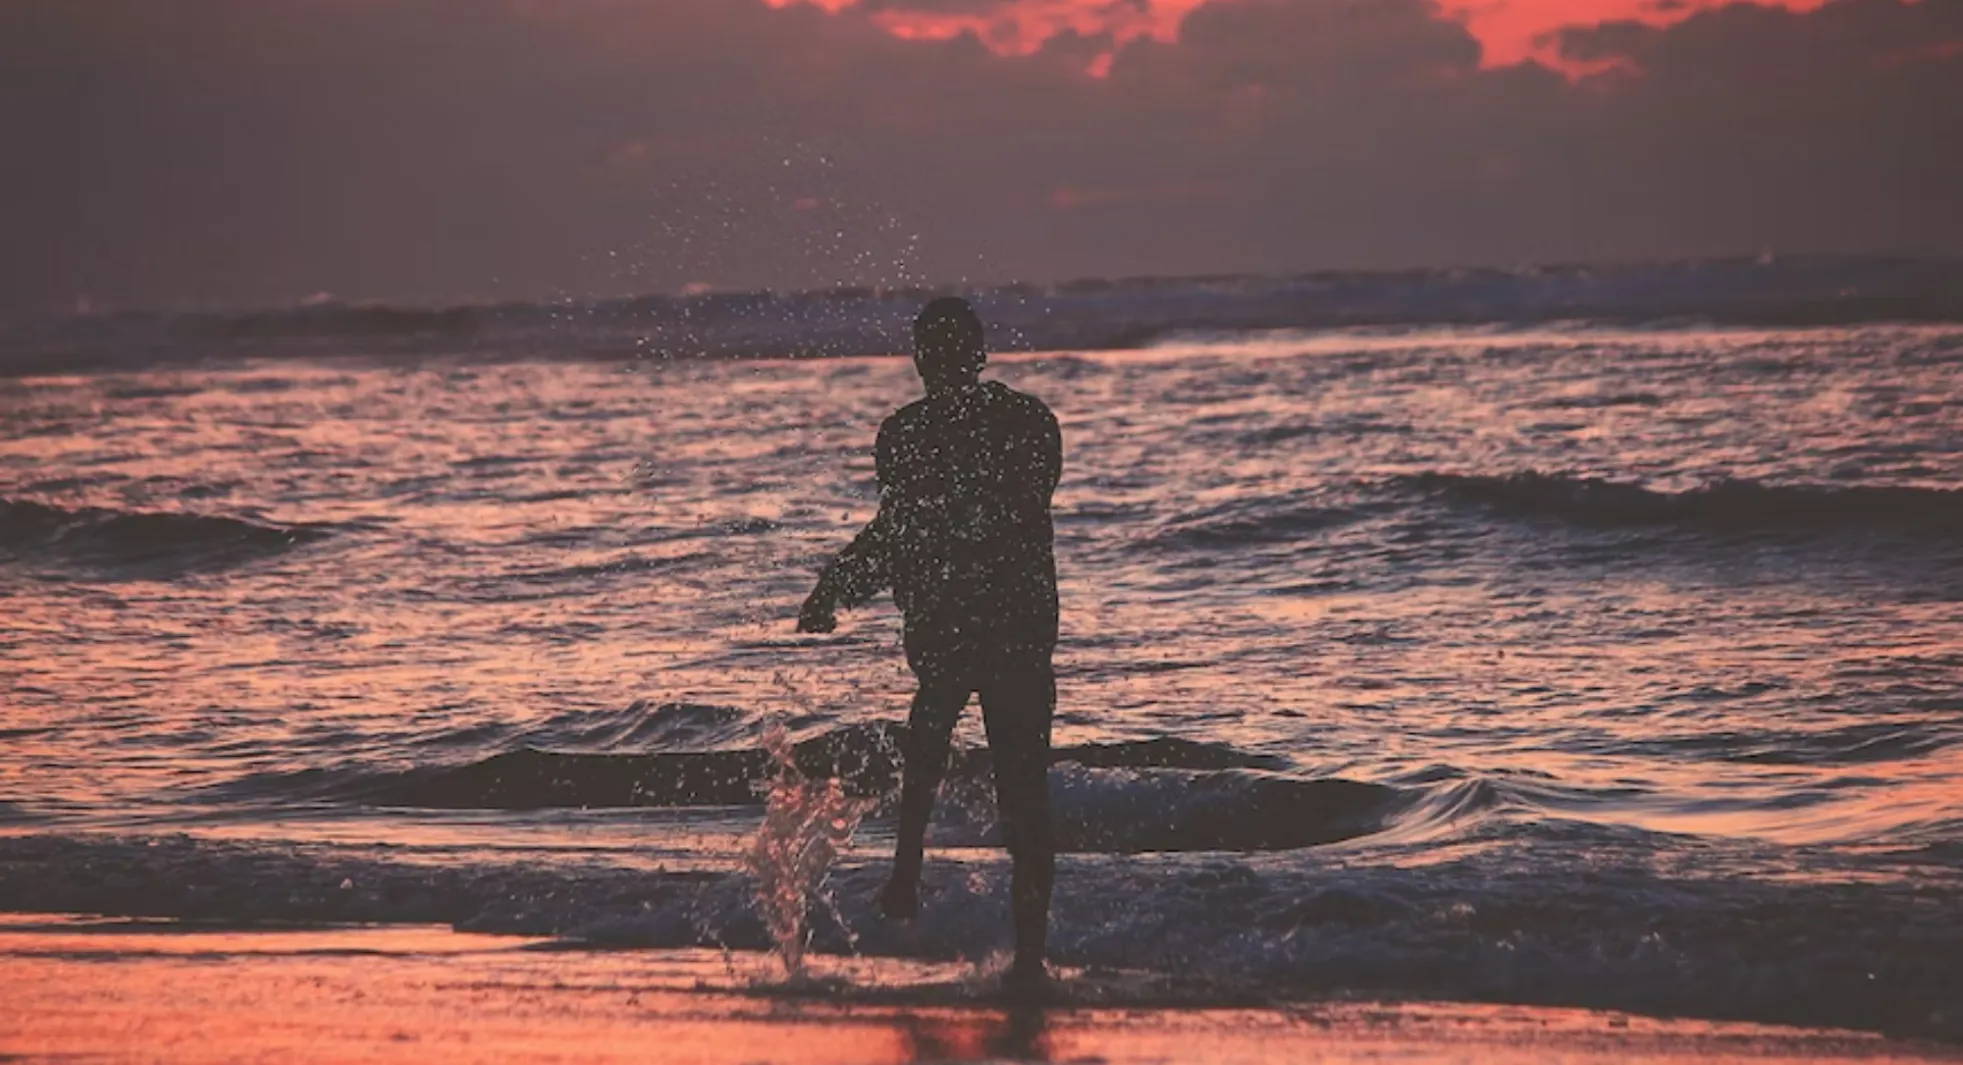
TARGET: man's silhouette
(963,539)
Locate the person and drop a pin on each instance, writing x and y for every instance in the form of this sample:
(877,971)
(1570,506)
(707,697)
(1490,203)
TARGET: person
(964,540)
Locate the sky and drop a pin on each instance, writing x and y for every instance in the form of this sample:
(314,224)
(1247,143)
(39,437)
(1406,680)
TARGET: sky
(196,153)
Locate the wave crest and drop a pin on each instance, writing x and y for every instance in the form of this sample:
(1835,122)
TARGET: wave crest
(1162,794)
(1729,506)
(140,542)
(1249,522)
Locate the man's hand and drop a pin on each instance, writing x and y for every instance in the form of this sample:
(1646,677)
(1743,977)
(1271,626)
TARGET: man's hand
(816,615)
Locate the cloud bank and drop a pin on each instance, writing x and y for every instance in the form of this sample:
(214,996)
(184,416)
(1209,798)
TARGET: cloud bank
(201,152)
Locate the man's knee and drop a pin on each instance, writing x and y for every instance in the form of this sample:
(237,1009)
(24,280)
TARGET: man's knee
(930,726)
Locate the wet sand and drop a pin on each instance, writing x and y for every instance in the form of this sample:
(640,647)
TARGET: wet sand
(120,990)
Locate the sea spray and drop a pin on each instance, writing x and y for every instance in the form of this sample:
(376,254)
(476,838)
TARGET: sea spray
(805,824)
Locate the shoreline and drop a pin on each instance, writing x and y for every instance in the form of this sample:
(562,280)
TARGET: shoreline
(143,990)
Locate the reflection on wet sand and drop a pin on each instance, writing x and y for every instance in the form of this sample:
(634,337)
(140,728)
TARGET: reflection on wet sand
(1014,1034)
(418,994)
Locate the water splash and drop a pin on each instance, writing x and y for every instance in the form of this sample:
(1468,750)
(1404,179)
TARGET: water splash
(806,823)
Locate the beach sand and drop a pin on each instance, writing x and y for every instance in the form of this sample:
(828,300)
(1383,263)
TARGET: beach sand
(122,990)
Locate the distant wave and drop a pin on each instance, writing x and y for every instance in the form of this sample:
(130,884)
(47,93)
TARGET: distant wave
(1740,505)
(1864,743)
(137,542)
(341,320)
(1077,315)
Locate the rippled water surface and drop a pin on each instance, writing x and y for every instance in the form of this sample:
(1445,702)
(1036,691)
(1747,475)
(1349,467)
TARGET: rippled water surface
(1507,606)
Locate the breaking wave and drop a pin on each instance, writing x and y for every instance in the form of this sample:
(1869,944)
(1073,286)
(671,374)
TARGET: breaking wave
(1162,794)
(1575,916)
(142,543)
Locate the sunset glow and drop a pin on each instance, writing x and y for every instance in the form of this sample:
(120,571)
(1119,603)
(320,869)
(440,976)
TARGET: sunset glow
(1508,31)
(1019,27)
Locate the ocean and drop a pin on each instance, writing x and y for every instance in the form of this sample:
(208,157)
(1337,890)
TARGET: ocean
(1611,661)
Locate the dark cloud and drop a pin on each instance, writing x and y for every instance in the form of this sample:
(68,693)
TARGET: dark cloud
(257,151)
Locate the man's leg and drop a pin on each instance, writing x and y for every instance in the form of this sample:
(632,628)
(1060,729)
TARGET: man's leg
(1018,700)
(930,727)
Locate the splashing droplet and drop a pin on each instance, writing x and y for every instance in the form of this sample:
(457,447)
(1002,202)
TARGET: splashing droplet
(805,824)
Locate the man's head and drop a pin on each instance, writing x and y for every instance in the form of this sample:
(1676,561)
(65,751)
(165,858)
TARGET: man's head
(947,344)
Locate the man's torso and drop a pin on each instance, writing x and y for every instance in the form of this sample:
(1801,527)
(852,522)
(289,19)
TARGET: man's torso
(969,474)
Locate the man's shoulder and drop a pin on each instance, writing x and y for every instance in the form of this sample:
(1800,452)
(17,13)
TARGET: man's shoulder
(906,417)
(903,428)
(1021,403)
(923,415)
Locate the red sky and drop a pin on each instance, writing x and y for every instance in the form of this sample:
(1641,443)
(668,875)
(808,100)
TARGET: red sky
(1507,30)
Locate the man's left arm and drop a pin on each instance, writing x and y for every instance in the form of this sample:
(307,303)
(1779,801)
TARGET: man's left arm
(1037,450)
(1051,449)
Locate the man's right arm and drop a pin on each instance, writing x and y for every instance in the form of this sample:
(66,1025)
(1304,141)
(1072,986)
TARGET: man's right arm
(863,569)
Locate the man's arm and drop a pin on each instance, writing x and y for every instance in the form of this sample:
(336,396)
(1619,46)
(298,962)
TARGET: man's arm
(1037,451)
(863,569)
(856,575)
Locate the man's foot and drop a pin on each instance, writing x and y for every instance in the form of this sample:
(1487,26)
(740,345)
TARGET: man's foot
(900,898)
